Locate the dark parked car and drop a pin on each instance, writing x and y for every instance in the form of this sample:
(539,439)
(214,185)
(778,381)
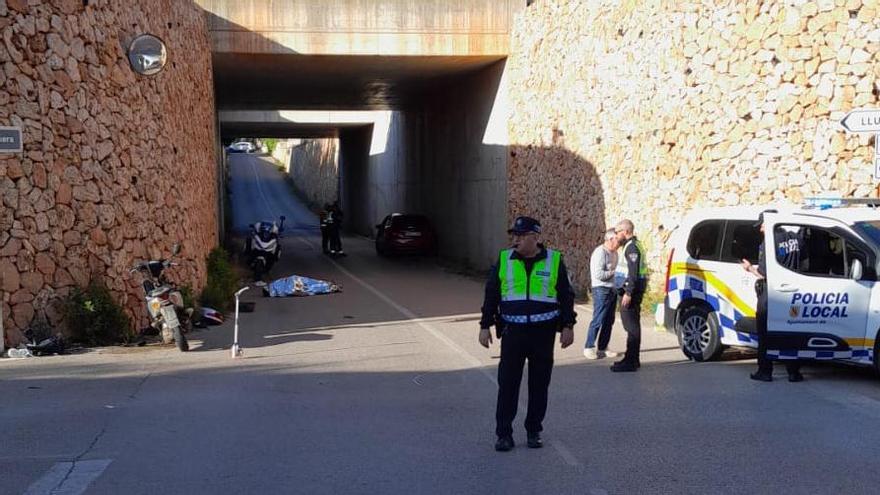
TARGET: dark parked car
(399,233)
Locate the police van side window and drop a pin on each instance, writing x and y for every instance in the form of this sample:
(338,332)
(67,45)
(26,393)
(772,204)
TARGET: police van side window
(810,250)
(705,240)
(741,241)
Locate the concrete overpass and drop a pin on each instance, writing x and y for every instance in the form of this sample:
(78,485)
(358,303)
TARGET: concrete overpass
(430,73)
(329,54)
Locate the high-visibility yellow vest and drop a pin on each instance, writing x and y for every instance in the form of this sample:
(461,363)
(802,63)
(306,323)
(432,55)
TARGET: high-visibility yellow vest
(539,285)
(622,270)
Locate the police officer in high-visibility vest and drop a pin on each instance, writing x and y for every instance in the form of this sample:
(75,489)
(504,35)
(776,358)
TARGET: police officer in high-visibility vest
(631,280)
(529,295)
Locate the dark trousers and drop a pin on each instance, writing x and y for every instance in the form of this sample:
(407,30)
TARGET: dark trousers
(325,238)
(765,365)
(335,240)
(632,322)
(604,302)
(517,345)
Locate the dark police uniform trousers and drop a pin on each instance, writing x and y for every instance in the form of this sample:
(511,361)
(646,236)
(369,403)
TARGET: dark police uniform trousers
(765,365)
(631,317)
(521,343)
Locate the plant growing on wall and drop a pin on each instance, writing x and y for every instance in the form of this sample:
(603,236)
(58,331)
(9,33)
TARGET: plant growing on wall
(222,281)
(93,317)
(270,144)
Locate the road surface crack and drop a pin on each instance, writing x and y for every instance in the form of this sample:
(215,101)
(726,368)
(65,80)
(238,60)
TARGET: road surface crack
(79,458)
(140,385)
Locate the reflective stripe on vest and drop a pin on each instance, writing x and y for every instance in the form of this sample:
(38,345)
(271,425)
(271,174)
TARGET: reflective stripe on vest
(622,270)
(534,318)
(539,286)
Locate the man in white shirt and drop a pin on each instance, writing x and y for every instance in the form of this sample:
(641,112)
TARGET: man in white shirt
(603,263)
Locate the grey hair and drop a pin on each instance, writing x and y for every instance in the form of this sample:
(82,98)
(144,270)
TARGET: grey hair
(627,226)
(610,234)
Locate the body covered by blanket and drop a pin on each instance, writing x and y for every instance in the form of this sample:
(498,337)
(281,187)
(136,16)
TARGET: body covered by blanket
(296,285)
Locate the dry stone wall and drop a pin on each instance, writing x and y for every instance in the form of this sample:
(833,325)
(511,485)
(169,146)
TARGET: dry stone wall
(116,167)
(648,109)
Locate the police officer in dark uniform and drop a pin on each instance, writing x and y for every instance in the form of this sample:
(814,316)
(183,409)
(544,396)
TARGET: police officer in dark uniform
(788,252)
(325,229)
(334,227)
(631,280)
(530,297)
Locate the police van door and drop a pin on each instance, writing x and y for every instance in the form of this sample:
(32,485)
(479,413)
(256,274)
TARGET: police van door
(816,309)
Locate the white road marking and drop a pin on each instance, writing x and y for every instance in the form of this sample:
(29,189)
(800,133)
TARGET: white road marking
(69,478)
(563,452)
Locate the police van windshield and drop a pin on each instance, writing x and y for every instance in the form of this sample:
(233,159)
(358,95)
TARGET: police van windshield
(870,231)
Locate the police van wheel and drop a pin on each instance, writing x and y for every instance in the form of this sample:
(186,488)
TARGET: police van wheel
(698,334)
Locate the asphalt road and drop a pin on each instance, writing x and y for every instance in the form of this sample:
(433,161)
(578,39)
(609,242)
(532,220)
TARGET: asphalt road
(383,389)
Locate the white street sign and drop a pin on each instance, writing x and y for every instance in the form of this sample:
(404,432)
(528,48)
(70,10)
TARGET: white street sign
(862,120)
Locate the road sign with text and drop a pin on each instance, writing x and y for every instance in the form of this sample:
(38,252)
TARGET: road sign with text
(10,140)
(863,120)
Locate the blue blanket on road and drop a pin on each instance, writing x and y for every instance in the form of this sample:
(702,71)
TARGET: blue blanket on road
(296,285)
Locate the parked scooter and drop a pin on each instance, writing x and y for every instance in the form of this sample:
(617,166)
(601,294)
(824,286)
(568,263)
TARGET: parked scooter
(165,301)
(262,247)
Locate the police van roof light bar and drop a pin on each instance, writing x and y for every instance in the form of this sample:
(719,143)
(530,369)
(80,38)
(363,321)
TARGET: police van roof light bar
(826,203)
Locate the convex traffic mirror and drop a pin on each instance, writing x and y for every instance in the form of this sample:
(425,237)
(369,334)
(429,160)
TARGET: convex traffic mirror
(147,55)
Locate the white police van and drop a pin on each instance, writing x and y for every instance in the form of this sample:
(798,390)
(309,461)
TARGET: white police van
(825,306)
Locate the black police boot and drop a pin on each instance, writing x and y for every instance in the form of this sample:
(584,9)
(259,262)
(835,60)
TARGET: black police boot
(535,441)
(795,376)
(762,376)
(624,366)
(504,444)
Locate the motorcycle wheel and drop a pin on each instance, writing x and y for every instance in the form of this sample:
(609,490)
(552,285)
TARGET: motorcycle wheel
(182,344)
(186,320)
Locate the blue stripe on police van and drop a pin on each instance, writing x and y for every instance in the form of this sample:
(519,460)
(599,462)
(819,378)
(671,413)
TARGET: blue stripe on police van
(713,301)
(725,321)
(789,354)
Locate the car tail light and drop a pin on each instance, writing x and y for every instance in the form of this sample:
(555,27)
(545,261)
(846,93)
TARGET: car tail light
(669,268)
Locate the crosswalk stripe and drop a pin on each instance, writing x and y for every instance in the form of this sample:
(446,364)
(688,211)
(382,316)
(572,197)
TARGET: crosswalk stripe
(68,478)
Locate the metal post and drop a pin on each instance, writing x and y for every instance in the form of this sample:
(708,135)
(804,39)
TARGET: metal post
(236,349)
